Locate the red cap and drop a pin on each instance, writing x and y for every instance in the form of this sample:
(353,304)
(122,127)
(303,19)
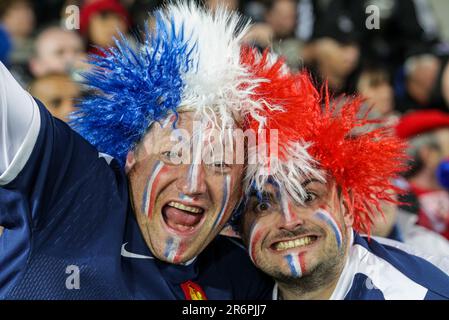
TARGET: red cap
(417,122)
(99,6)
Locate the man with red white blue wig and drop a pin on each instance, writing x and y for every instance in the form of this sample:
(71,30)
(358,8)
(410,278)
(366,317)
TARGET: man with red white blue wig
(317,189)
(120,209)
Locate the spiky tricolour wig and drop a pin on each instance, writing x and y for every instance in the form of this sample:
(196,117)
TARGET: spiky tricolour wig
(191,62)
(320,139)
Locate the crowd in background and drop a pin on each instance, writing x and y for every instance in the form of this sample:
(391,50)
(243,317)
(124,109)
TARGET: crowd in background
(398,62)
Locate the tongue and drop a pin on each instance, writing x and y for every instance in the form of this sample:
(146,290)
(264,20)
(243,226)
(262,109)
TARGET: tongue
(176,216)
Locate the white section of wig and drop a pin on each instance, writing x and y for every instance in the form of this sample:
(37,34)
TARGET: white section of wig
(288,174)
(218,87)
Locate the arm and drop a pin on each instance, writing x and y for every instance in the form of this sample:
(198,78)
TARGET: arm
(19,126)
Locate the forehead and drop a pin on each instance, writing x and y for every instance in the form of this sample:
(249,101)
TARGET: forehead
(56,38)
(274,189)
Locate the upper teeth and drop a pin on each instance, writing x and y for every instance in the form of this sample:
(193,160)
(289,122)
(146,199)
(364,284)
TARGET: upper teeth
(284,245)
(184,207)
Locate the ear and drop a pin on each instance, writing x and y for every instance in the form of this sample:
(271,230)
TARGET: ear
(348,217)
(130,161)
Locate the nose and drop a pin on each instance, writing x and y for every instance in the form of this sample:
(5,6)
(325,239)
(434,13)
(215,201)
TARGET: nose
(291,216)
(193,180)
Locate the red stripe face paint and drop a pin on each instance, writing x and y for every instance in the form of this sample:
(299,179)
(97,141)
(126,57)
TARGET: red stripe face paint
(255,236)
(330,221)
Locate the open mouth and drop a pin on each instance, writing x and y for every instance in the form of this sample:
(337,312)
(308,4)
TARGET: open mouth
(181,218)
(292,244)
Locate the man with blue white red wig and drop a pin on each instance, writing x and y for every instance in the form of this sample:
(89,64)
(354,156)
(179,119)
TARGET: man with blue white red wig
(120,210)
(317,189)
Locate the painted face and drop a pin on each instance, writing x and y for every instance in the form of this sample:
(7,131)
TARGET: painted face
(289,241)
(180,207)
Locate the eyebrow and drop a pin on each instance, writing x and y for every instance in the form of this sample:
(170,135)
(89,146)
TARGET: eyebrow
(261,195)
(308,181)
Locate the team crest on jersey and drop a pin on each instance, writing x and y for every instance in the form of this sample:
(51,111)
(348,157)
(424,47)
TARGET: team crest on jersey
(193,291)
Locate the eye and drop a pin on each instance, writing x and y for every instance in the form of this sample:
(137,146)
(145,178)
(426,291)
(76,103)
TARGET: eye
(219,166)
(170,156)
(310,197)
(262,207)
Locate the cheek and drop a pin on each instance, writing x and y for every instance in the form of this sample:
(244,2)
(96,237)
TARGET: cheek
(256,233)
(151,187)
(332,224)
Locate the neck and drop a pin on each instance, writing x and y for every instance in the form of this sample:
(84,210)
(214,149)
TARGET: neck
(317,285)
(297,292)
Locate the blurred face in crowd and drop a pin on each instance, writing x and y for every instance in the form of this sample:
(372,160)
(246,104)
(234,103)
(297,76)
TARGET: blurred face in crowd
(180,206)
(298,244)
(282,18)
(58,93)
(228,4)
(336,59)
(378,93)
(422,78)
(104,26)
(57,51)
(19,19)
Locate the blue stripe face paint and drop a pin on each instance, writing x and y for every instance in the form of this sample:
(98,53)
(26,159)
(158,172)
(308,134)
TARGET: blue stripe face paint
(185,197)
(326,217)
(294,263)
(171,249)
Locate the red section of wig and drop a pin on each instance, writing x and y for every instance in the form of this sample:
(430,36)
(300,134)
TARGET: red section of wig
(363,163)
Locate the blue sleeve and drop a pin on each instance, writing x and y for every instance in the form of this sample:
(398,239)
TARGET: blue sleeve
(58,158)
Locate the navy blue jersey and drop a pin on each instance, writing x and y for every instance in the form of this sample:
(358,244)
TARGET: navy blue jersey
(70,233)
(376,271)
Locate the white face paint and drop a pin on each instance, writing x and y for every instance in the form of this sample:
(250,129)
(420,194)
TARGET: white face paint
(172,249)
(294,262)
(327,217)
(286,206)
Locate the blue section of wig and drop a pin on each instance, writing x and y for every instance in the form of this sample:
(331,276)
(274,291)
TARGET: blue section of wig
(132,88)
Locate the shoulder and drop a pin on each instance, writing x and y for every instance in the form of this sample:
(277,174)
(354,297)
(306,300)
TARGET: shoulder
(396,271)
(229,258)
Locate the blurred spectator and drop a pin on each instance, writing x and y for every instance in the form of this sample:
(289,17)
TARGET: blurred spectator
(404,28)
(17,18)
(232,5)
(374,85)
(310,16)
(57,92)
(426,83)
(140,10)
(57,50)
(281,17)
(101,21)
(428,135)
(336,62)
(402,226)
